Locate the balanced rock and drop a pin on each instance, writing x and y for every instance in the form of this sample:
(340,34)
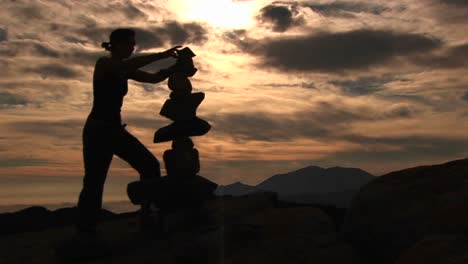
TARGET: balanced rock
(393,212)
(179,84)
(180,108)
(185,62)
(182,160)
(171,193)
(188,128)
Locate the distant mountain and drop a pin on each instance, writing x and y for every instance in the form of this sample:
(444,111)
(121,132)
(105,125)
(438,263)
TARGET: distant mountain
(235,189)
(314,179)
(334,186)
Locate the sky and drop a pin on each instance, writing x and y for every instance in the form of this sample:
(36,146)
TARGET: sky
(378,85)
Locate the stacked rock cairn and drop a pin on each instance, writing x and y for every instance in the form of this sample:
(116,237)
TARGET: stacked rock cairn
(182,187)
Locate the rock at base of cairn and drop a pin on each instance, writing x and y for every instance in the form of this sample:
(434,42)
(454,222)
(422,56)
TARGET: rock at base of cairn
(171,193)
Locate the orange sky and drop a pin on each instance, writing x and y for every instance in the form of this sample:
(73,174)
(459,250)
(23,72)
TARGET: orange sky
(369,84)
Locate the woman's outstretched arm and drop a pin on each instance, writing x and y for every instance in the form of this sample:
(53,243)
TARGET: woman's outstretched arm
(132,64)
(146,77)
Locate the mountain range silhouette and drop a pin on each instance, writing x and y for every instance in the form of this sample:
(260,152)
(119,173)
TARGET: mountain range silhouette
(312,184)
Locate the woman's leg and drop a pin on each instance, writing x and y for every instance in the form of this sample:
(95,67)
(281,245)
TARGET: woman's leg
(131,150)
(97,156)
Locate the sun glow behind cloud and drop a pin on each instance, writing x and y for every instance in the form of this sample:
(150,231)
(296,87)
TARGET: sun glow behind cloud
(217,13)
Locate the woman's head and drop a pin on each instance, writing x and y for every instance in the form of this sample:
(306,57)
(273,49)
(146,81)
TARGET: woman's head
(121,42)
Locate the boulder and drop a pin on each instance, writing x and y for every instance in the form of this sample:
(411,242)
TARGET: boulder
(398,209)
(437,249)
(170,193)
(268,235)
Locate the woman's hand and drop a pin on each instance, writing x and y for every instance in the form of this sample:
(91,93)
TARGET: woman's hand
(172,52)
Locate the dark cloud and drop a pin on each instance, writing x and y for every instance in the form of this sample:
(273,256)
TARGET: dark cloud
(462,3)
(81,56)
(28,47)
(406,147)
(55,71)
(148,123)
(132,12)
(314,125)
(324,121)
(121,9)
(9,100)
(345,9)
(281,17)
(465,96)
(453,57)
(30,11)
(450,11)
(336,52)
(170,33)
(61,129)
(3,35)
(21,162)
(174,33)
(362,86)
(75,40)
(380,160)
(46,51)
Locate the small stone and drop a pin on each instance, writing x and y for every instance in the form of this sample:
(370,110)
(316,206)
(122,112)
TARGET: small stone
(182,160)
(179,83)
(182,107)
(192,127)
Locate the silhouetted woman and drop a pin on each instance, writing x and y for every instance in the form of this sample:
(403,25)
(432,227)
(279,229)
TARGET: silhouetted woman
(103,134)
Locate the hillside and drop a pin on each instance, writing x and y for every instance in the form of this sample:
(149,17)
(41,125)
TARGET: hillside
(335,186)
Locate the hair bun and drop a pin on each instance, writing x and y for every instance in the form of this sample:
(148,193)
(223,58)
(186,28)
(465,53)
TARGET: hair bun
(106,45)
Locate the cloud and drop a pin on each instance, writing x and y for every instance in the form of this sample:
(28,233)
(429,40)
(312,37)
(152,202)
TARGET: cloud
(406,147)
(281,17)
(30,11)
(57,130)
(345,9)
(55,71)
(132,12)
(460,3)
(465,96)
(452,57)
(336,52)
(450,11)
(22,161)
(324,121)
(362,86)
(9,100)
(28,47)
(3,35)
(170,33)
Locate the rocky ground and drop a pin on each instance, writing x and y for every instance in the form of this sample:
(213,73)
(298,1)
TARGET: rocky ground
(248,229)
(418,215)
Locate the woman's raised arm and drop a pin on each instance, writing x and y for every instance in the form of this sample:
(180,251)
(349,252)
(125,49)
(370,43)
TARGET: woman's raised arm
(132,64)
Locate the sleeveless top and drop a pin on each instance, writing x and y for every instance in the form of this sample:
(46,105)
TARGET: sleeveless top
(109,90)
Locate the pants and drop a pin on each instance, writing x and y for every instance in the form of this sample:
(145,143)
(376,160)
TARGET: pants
(100,142)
